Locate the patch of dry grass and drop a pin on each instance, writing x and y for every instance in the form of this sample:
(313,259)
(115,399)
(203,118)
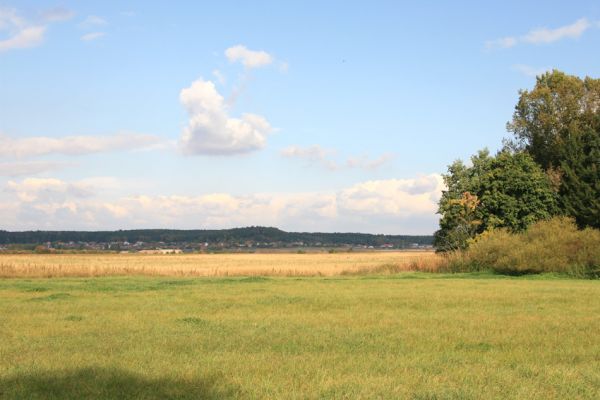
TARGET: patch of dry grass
(311,264)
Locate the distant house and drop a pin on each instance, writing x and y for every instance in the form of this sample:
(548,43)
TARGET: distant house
(162,251)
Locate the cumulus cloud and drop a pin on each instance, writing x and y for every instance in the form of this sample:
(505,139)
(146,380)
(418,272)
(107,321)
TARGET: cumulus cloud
(53,203)
(249,58)
(92,36)
(543,35)
(21,33)
(73,145)
(325,158)
(394,197)
(379,206)
(211,130)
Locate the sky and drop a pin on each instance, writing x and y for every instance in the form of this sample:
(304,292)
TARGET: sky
(335,116)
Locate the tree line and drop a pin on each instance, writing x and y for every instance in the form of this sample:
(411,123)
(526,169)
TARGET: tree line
(254,234)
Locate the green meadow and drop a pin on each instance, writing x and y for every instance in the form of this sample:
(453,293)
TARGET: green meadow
(410,335)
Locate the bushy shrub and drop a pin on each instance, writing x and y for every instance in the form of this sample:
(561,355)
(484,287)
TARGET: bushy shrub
(555,245)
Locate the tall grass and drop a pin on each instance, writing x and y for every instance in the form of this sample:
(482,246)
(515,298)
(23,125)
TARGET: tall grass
(555,245)
(312,264)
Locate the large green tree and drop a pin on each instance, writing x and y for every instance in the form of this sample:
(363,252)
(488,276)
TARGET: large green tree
(559,107)
(506,190)
(558,123)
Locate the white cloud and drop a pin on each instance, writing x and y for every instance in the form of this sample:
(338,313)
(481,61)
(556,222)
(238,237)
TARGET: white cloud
(57,14)
(316,155)
(249,58)
(394,197)
(22,168)
(47,190)
(21,34)
(92,21)
(73,145)
(211,130)
(543,35)
(530,71)
(380,206)
(92,36)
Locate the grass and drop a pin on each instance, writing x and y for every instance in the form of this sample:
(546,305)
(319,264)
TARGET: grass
(310,264)
(407,335)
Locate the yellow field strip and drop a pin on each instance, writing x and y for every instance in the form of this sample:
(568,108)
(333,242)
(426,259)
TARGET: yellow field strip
(310,264)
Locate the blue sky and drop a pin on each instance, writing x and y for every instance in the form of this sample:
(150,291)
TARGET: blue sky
(318,116)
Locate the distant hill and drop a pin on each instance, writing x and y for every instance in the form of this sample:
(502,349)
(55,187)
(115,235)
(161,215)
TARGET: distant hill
(256,234)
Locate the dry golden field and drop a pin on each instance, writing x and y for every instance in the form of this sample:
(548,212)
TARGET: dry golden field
(278,264)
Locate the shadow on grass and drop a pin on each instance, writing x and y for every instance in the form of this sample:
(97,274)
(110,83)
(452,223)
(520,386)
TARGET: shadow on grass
(100,383)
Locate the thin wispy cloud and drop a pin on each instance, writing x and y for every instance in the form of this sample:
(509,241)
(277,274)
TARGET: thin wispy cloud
(19,33)
(57,14)
(92,36)
(73,145)
(92,21)
(364,162)
(543,35)
(316,155)
(28,168)
(219,76)
(284,66)
(312,155)
(530,71)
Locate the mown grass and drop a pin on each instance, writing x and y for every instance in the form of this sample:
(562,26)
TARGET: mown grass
(408,335)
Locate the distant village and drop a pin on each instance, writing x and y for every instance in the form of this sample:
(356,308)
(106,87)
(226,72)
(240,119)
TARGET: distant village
(248,239)
(201,247)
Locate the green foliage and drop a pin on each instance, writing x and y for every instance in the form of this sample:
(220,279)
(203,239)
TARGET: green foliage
(560,106)
(555,245)
(508,190)
(580,188)
(558,123)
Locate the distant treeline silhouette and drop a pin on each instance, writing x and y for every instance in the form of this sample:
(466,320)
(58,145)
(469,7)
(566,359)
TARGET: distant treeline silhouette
(254,234)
